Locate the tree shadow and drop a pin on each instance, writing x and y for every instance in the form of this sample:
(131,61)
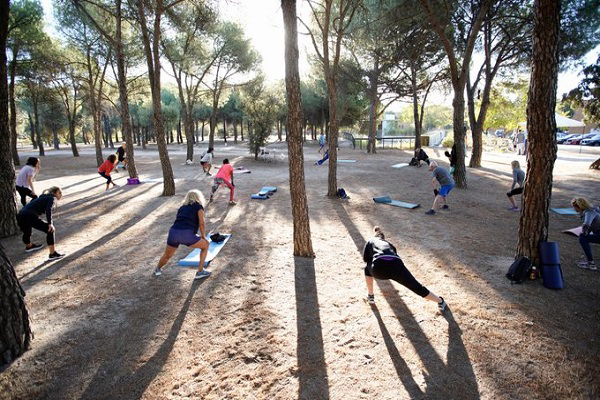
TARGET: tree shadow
(137,382)
(64,188)
(312,370)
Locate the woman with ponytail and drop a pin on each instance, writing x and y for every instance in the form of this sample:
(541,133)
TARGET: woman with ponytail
(29,218)
(382,262)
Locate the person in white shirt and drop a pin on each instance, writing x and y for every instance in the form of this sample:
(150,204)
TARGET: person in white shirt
(206,160)
(25,179)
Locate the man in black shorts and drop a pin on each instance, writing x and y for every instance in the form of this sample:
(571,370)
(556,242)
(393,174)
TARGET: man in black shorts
(121,157)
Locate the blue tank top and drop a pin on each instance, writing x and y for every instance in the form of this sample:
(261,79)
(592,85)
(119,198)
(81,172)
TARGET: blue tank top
(187,217)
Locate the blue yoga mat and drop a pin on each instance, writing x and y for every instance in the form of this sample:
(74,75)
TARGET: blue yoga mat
(267,190)
(193,258)
(565,211)
(259,196)
(388,200)
(346,160)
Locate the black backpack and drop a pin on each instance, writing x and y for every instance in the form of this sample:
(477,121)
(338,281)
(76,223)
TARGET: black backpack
(519,270)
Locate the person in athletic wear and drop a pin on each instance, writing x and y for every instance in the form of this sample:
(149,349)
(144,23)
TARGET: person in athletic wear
(225,177)
(106,168)
(121,157)
(25,179)
(420,155)
(442,177)
(382,262)
(206,160)
(518,179)
(28,218)
(189,220)
(590,233)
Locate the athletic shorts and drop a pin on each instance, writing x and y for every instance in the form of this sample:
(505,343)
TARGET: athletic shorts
(186,237)
(518,190)
(203,162)
(445,189)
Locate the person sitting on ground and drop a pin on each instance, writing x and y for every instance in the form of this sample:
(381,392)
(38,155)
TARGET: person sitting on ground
(121,157)
(224,177)
(25,179)
(106,168)
(443,177)
(590,233)
(189,220)
(420,155)
(382,262)
(452,158)
(518,179)
(206,160)
(28,218)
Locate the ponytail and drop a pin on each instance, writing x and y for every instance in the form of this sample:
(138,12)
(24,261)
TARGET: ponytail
(378,232)
(51,190)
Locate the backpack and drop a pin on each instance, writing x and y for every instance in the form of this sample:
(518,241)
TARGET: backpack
(519,270)
(341,193)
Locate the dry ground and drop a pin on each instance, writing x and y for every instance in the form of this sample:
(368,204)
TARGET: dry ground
(267,325)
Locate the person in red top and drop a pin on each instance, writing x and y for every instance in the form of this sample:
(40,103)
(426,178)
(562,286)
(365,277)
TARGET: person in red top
(224,177)
(106,168)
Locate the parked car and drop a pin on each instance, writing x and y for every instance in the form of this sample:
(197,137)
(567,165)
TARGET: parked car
(593,141)
(563,139)
(578,138)
(499,133)
(561,135)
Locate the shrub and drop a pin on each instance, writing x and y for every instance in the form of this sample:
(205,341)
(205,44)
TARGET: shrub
(448,140)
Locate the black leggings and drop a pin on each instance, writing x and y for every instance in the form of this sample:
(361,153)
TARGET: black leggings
(27,221)
(107,177)
(24,192)
(395,270)
(518,190)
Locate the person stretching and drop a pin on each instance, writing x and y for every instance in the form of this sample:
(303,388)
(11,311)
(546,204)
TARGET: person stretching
(590,232)
(190,219)
(25,179)
(441,176)
(206,160)
(382,262)
(28,218)
(121,157)
(106,168)
(224,177)
(518,179)
(420,155)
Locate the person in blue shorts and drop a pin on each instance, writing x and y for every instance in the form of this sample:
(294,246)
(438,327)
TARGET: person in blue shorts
(441,177)
(190,219)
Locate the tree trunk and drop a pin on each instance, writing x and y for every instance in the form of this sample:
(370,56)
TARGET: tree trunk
(15,332)
(300,215)
(72,138)
(541,125)
(97,119)
(8,206)
(372,93)
(36,124)
(458,118)
(333,135)
(242,129)
(13,106)
(55,137)
(224,130)
(235,132)
(32,131)
(415,99)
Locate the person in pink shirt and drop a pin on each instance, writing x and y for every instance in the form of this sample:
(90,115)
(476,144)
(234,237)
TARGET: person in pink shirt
(106,168)
(224,177)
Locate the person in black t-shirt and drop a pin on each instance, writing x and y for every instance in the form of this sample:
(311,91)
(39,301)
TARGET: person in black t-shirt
(121,157)
(190,219)
(28,218)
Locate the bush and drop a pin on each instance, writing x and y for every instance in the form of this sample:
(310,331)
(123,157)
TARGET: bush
(448,140)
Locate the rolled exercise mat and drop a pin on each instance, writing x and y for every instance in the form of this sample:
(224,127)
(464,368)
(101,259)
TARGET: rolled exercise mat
(550,269)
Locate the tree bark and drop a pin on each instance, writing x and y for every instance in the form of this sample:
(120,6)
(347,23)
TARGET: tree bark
(13,106)
(415,99)
(541,125)
(15,332)
(36,124)
(373,109)
(8,206)
(300,215)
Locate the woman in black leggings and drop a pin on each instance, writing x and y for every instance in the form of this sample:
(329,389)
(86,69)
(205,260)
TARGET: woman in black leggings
(28,218)
(383,263)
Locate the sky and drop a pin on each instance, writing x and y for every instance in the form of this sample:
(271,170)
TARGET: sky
(262,21)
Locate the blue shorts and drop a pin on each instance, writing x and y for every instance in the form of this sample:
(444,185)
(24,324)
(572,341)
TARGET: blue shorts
(445,189)
(182,236)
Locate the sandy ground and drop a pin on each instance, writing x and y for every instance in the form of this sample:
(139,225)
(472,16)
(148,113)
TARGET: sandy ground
(267,325)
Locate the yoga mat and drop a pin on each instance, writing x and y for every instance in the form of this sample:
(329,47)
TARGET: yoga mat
(259,196)
(565,211)
(267,190)
(388,200)
(239,170)
(345,161)
(193,258)
(400,165)
(575,231)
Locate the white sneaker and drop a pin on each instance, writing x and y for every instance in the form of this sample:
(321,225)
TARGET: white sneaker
(585,264)
(202,274)
(157,272)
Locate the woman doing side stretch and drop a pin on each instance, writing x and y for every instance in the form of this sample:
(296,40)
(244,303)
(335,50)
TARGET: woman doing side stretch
(25,179)
(518,179)
(28,218)
(383,263)
(106,168)
(190,219)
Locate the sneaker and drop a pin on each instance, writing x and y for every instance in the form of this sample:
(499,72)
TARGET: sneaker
(33,247)
(55,256)
(371,298)
(202,274)
(157,271)
(430,212)
(591,265)
(232,203)
(442,306)
(513,208)
(445,207)
(208,174)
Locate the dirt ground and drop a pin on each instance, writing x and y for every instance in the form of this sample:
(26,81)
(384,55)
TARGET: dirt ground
(268,325)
